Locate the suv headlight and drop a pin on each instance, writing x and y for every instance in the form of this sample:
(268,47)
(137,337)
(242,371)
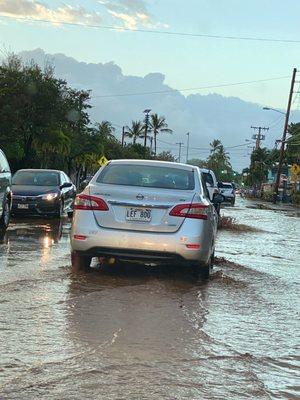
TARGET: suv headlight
(49,196)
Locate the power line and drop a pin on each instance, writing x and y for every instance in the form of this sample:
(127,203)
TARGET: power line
(206,148)
(190,89)
(156,32)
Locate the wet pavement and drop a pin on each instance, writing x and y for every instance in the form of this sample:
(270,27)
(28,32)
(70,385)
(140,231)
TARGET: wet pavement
(152,333)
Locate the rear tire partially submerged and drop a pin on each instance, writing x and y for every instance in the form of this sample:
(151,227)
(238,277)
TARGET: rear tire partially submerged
(5,217)
(80,262)
(203,271)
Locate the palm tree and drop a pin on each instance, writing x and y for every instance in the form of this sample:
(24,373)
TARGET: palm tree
(136,131)
(215,145)
(158,124)
(106,130)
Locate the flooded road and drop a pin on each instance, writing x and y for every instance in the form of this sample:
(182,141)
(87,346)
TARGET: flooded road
(141,333)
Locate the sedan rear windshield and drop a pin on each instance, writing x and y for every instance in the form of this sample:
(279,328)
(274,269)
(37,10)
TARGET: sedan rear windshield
(36,178)
(147,176)
(225,185)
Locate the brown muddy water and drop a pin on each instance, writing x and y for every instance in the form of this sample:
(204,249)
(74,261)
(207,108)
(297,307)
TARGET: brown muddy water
(152,333)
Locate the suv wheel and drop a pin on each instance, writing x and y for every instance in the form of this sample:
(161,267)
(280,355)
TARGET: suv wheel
(5,217)
(80,262)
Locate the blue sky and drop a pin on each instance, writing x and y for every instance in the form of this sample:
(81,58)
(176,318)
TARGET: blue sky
(185,61)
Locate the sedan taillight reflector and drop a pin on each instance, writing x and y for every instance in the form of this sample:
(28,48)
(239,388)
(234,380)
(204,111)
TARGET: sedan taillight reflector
(86,202)
(197,211)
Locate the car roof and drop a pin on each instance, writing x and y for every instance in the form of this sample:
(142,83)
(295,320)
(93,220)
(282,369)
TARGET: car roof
(208,171)
(38,170)
(155,163)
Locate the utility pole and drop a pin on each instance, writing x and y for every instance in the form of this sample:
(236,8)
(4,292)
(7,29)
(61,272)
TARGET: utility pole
(123,135)
(285,129)
(258,136)
(179,155)
(187,147)
(151,144)
(146,112)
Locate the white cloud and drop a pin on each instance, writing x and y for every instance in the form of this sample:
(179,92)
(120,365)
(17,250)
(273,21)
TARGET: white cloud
(38,10)
(132,13)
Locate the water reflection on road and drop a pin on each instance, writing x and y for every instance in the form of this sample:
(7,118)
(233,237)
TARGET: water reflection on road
(140,333)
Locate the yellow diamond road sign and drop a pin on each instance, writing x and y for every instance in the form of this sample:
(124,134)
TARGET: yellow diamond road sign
(102,161)
(295,169)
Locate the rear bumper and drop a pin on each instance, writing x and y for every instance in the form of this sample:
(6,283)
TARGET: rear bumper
(142,246)
(142,256)
(228,198)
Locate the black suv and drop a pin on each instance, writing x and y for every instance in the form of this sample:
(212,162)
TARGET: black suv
(5,193)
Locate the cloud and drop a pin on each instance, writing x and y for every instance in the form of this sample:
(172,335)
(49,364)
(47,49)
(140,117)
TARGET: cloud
(38,10)
(132,13)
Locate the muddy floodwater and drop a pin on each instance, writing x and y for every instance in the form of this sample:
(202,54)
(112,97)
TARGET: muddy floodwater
(152,333)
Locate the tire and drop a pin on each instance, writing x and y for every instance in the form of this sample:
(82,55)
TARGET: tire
(5,217)
(60,212)
(202,270)
(80,262)
(233,202)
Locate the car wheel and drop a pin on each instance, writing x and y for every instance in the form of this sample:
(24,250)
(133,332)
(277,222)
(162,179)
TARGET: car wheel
(202,270)
(80,262)
(233,202)
(60,212)
(5,217)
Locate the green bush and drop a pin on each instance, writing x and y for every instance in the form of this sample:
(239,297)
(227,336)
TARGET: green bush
(296,198)
(267,195)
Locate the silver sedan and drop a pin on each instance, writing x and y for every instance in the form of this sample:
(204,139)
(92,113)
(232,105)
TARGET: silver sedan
(152,212)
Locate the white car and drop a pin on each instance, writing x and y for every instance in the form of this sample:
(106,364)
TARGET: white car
(227,190)
(212,185)
(152,212)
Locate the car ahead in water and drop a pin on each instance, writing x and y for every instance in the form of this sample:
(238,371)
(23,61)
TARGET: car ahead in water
(43,192)
(212,185)
(227,190)
(152,212)
(5,193)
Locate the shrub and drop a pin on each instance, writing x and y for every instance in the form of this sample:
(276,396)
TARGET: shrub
(267,195)
(296,198)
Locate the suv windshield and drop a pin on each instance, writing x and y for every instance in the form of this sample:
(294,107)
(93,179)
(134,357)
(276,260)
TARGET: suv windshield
(36,178)
(147,176)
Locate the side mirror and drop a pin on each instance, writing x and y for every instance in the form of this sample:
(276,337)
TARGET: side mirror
(218,198)
(66,185)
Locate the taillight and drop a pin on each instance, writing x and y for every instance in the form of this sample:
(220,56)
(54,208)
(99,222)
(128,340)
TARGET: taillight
(197,211)
(86,202)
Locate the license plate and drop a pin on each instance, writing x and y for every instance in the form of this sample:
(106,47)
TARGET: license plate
(23,206)
(138,214)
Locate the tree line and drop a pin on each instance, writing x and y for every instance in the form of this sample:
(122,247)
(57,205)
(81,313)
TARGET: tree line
(44,123)
(262,159)
(219,162)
